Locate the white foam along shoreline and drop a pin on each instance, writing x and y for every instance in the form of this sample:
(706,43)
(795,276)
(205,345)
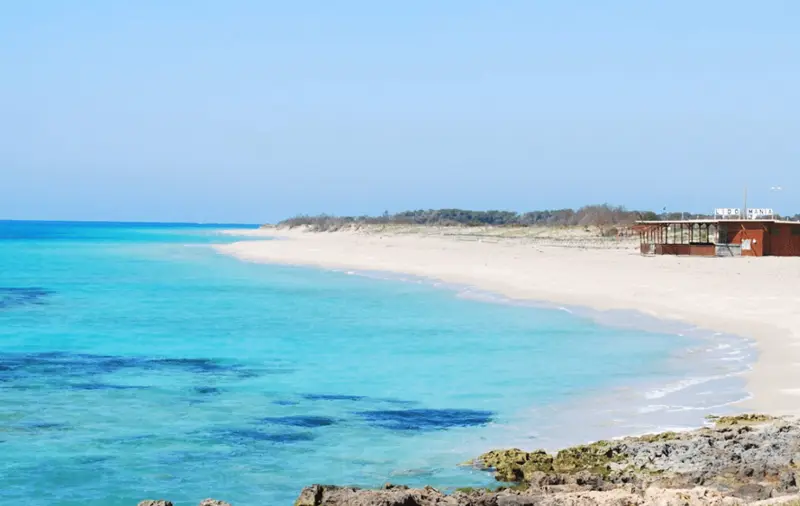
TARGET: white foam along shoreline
(758,298)
(633,412)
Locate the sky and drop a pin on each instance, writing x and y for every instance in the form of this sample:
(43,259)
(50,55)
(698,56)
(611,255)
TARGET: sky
(252,111)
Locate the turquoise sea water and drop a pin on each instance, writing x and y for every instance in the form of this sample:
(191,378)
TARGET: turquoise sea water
(136,362)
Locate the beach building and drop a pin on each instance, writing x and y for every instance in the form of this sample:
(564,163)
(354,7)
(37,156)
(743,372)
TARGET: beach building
(730,233)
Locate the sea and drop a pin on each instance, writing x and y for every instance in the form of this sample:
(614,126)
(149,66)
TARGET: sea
(138,362)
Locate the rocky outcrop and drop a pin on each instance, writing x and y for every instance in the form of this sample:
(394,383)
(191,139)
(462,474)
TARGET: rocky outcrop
(402,496)
(741,460)
(204,502)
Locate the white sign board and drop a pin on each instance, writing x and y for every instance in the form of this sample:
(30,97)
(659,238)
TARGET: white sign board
(755,213)
(727,212)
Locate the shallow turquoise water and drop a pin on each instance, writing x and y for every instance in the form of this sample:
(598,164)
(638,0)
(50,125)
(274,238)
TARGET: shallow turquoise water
(136,362)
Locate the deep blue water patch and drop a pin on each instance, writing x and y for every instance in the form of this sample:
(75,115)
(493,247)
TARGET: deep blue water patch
(427,419)
(207,390)
(399,402)
(283,402)
(196,365)
(309,421)
(213,367)
(92,459)
(182,458)
(248,436)
(44,426)
(333,397)
(105,386)
(22,296)
(59,365)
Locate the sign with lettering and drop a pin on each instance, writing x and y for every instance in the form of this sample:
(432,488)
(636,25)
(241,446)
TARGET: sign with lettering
(755,213)
(727,212)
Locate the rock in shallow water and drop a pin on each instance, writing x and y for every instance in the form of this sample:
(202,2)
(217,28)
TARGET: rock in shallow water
(733,464)
(204,502)
(742,460)
(400,496)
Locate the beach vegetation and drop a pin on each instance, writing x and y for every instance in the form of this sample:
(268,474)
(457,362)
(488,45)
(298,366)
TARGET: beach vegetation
(608,219)
(744,419)
(515,465)
(662,436)
(595,457)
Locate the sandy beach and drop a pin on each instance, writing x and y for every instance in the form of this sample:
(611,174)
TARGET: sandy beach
(756,298)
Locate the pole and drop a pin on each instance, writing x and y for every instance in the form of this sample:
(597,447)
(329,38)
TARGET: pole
(744,209)
(775,190)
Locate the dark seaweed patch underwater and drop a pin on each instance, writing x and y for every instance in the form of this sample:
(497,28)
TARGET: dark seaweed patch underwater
(333,397)
(59,365)
(11,297)
(426,419)
(247,436)
(300,421)
(137,360)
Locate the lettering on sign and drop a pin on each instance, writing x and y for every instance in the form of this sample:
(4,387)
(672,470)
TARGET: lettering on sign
(727,211)
(754,213)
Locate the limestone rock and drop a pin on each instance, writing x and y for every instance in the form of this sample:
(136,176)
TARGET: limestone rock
(747,459)
(515,464)
(336,496)
(159,502)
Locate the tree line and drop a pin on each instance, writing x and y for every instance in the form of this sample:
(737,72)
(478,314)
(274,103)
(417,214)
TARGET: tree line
(604,216)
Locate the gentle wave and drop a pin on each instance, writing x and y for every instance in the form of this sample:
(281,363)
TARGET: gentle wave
(635,411)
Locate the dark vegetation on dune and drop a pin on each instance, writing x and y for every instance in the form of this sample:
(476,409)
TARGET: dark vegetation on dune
(603,216)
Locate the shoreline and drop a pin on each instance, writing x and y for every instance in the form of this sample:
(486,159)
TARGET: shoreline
(738,460)
(735,461)
(618,279)
(641,406)
(634,417)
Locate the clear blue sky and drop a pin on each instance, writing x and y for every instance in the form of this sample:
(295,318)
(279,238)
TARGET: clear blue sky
(255,110)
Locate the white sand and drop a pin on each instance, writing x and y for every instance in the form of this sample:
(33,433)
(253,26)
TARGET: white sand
(752,297)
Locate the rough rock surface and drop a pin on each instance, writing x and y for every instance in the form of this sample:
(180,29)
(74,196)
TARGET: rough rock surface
(741,460)
(401,496)
(204,502)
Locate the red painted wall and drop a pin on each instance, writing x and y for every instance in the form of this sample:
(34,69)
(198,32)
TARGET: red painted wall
(672,249)
(739,231)
(785,239)
(702,250)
